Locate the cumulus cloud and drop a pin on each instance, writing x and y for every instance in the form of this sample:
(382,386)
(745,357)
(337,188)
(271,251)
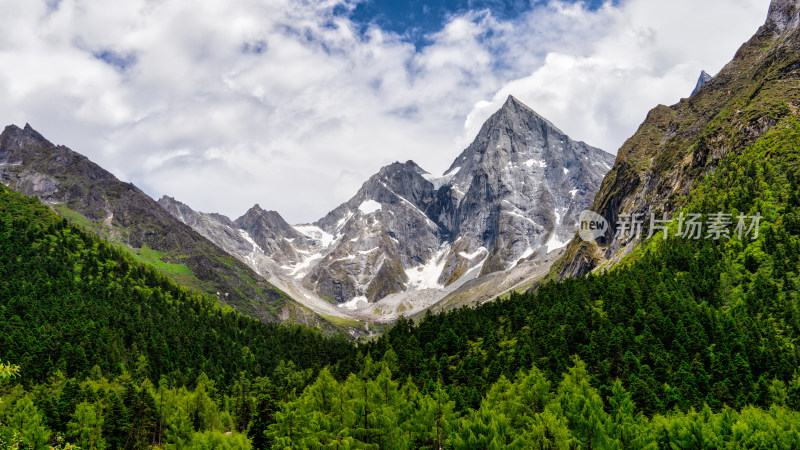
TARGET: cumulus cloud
(286,104)
(647,53)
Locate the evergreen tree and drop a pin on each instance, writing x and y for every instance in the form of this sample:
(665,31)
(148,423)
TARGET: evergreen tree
(623,424)
(263,417)
(580,403)
(116,424)
(26,420)
(180,430)
(85,427)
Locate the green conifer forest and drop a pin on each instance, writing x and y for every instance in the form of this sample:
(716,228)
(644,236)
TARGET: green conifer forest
(686,344)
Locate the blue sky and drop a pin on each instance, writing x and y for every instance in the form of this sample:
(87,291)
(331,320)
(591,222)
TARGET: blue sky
(293,104)
(415,19)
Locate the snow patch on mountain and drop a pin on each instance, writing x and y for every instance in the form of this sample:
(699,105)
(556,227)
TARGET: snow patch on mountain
(369,206)
(536,162)
(426,276)
(299,270)
(474,254)
(314,232)
(253,256)
(438,182)
(554,243)
(355,303)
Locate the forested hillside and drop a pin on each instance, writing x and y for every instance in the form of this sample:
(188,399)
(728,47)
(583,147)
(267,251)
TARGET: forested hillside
(93,198)
(74,308)
(683,323)
(686,343)
(690,342)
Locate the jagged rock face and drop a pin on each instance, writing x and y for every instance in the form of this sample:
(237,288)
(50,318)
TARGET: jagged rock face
(516,190)
(378,233)
(704,78)
(676,146)
(783,15)
(273,235)
(514,193)
(32,165)
(214,227)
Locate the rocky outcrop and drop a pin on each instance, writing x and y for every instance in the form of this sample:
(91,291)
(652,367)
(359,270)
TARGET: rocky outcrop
(704,78)
(783,16)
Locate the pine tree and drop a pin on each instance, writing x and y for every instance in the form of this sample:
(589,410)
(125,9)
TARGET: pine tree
(180,430)
(263,417)
(243,403)
(549,430)
(27,421)
(116,424)
(582,406)
(432,418)
(85,428)
(204,410)
(623,424)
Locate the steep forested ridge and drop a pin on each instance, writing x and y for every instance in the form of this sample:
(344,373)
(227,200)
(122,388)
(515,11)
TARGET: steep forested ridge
(70,301)
(90,196)
(676,147)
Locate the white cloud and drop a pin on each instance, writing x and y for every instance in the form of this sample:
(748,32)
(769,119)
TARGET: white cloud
(648,53)
(227,104)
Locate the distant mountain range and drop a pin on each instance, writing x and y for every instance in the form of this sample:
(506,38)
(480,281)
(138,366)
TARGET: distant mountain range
(408,239)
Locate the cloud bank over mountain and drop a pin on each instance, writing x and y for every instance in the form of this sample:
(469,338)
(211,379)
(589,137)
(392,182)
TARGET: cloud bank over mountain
(227,104)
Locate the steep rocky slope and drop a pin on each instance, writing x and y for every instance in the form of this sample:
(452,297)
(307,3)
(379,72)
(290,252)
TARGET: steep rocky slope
(677,146)
(516,190)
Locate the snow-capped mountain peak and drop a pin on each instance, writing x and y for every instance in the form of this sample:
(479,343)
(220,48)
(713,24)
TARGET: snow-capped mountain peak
(514,193)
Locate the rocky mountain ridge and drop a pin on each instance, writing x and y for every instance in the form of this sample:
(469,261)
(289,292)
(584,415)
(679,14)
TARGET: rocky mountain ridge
(701,81)
(94,198)
(407,238)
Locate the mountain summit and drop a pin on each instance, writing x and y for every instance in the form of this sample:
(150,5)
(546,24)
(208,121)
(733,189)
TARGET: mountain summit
(408,238)
(517,189)
(704,78)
